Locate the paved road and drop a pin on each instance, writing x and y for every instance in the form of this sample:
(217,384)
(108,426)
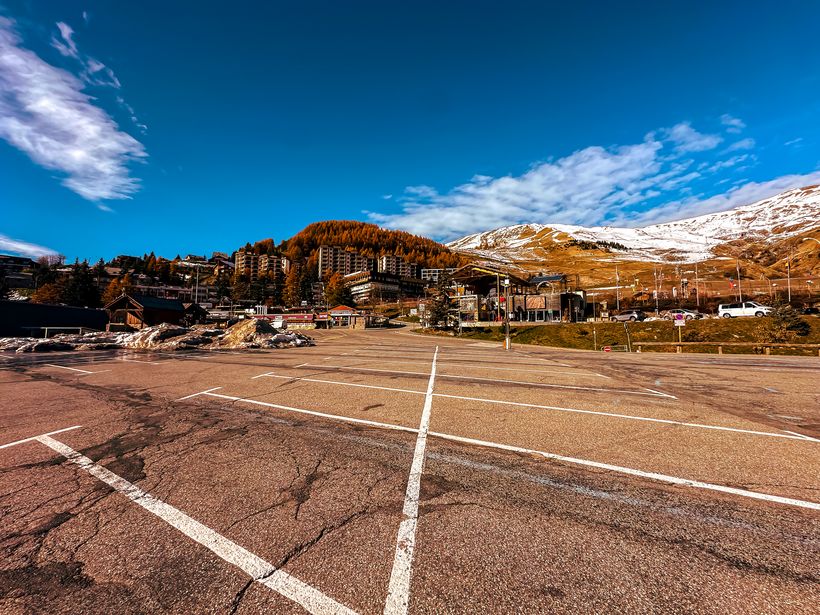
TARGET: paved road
(383,471)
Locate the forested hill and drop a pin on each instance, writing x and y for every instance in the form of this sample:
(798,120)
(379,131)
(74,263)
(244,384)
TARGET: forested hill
(364,238)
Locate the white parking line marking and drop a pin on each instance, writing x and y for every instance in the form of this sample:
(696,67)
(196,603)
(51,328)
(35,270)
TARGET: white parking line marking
(74,369)
(573,460)
(533,384)
(651,475)
(661,393)
(325,415)
(501,402)
(480,367)
(138,361)
(33,438)
(802,436)
(398,592)
(770,434)
(200,393)
(348,384)
(309,598)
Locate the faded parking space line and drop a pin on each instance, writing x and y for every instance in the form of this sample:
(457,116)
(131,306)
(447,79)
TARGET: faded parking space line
(789,435)
(650,393)
(349,384)
(686,482)
(468,365)
(74,369)
(261,571)
(326,415)
(665,478)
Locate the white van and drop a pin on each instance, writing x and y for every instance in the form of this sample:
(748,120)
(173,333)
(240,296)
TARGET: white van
(747,308)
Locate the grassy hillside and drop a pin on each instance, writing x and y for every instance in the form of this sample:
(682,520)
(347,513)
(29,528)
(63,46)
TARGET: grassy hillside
(580,336)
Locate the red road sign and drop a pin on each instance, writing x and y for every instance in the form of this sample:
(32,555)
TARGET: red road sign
(607,348)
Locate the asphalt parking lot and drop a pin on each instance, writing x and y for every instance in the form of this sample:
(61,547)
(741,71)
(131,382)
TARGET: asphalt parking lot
(384,471)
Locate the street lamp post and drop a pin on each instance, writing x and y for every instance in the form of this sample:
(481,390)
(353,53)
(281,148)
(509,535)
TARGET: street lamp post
(507,344)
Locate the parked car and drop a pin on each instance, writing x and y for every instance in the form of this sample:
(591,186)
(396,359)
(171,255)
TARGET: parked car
(629,315)
(687,314)
(747,308)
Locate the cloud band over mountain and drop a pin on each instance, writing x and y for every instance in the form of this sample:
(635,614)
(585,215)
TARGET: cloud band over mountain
(627,185)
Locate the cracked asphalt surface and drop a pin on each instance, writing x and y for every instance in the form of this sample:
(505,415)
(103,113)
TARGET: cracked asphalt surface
(320,497)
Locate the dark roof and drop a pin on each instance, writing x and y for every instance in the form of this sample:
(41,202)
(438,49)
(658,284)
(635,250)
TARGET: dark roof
(556,277)
(153,303)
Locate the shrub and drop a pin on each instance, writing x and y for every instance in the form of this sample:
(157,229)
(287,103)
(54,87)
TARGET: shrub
(784,325)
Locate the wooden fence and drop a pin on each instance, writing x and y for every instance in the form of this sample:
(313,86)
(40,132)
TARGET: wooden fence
(766,346)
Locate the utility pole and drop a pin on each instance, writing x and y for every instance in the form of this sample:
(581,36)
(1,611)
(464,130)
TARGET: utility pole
(655,271)
(789,275)
(617,289)
(739,291)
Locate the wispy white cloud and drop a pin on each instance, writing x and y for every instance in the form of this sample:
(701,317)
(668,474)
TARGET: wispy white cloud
(44,113)
(574,189)
(729,162)
(733,125)
(65,45)
(793,141)
(747,143)
(687,139)
(93,71)
(23,248)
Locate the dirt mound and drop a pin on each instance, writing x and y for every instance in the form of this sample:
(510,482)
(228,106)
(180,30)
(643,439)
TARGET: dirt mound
(251,333)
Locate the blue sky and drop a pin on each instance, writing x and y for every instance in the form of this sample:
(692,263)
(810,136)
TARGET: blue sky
(188,127)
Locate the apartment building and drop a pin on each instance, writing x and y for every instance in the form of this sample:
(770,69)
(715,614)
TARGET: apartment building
(246,263)
(396,265)
(333,259)
(433,275)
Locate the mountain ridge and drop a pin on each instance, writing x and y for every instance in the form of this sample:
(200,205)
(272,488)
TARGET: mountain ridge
(771,220)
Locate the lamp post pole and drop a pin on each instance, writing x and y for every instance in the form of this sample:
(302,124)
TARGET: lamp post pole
(498,296)
(507,344)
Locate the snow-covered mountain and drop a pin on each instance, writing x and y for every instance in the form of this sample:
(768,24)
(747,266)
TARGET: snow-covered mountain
(694,239)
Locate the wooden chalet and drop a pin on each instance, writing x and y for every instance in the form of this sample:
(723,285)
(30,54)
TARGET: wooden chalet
(138,311)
